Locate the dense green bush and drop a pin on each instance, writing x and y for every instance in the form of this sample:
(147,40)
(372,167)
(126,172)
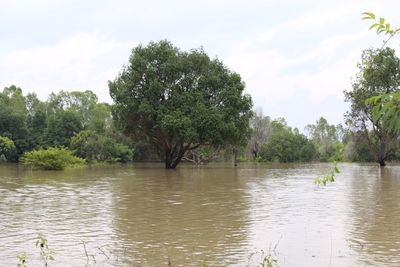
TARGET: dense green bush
(287,145)
(98,148)
(53,158)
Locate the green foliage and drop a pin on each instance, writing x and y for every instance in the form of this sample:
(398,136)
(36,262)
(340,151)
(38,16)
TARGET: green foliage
(330,177)
(52,158)
(62,126)
(287,145)
(97,148)
(178,101)
(381,26)
(326,137)
(100,118)
(337,152)
(13,118)
(7,148)
(375,113)
(37,127)
(93,115)
(33,124)
(386,109)
(378,75)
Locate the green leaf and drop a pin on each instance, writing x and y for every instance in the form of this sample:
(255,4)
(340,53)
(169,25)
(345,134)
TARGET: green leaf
(382,20)
(368,15)
(380,30)
(372,15)
(374,25)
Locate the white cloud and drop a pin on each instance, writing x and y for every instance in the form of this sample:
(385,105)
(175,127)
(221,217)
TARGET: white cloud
(282,50)
(82,61)
(323,70)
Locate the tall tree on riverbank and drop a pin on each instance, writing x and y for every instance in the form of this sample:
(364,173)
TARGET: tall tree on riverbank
(261,129)
(385,107)
(178,100)
(379,74)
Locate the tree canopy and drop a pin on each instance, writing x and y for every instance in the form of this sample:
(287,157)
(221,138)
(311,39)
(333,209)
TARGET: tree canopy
(179,100)
(379,74)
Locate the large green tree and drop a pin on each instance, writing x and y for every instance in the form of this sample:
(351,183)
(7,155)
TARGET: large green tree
(179,100)
(379,74)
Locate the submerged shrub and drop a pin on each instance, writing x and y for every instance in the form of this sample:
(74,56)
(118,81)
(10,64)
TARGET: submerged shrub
(52,158)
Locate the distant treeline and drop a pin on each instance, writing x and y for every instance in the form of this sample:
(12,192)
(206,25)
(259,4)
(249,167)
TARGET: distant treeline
(73,120)
(77,121)
(274,140)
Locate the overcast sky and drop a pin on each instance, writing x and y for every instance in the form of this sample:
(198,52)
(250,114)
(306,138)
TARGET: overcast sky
(296,57)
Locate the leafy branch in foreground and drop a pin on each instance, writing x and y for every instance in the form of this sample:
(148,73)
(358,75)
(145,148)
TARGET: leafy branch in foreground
(386,108)
(381,26)
(328,178)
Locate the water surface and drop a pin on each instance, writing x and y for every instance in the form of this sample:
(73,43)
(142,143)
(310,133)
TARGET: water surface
(144,215)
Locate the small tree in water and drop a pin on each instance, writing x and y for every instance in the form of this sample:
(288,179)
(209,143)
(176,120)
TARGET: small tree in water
(179,101)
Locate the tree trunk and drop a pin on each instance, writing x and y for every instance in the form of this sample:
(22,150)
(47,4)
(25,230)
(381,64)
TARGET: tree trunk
(235,156)
(168,159)
(173,157)
(382,152)
(382,162)
(255,154)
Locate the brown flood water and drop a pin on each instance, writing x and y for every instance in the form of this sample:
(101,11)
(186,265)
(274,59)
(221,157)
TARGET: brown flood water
(144,215)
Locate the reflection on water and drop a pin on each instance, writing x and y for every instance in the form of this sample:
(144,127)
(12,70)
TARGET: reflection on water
(376,215)
(144,215)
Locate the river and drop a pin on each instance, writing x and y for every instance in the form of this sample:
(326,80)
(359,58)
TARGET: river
(219,215)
